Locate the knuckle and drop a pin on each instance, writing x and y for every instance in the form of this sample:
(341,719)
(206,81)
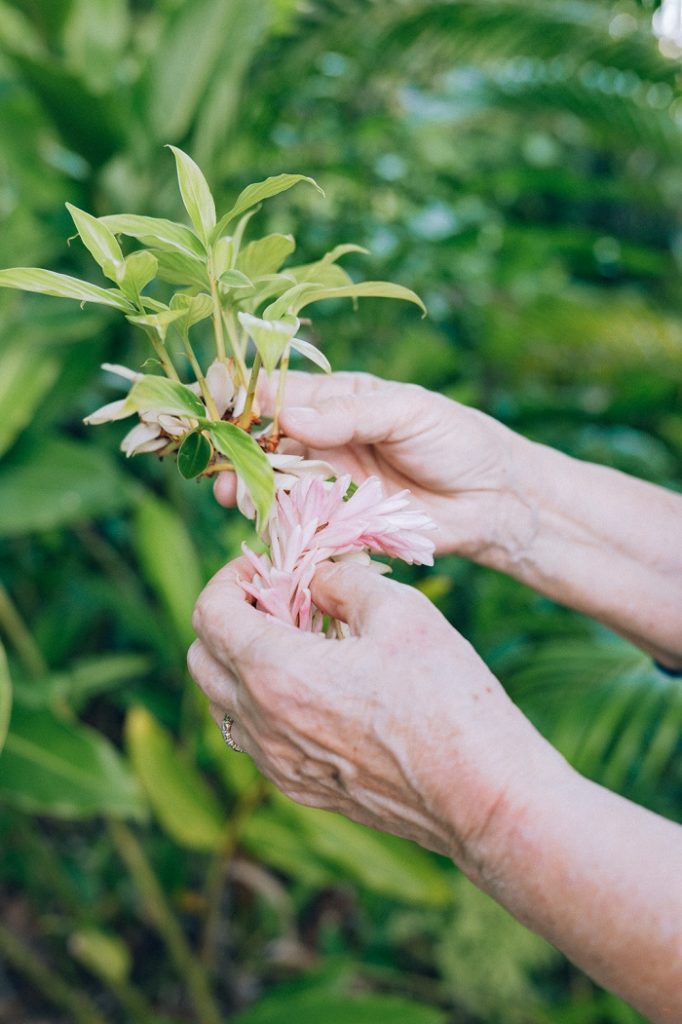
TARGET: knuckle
(194,658)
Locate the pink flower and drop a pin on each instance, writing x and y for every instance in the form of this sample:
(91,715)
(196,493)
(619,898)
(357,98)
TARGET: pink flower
(314,523)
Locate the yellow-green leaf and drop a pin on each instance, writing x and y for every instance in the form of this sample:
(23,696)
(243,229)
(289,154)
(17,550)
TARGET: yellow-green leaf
(250,463)
(260,190)
(99,241)
(47,282)
(196,195)
(159,394)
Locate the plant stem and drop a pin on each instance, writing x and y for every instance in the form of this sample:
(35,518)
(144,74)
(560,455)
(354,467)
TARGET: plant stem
(245,418)
(79,1007)
(164,358)
(18,633)
(218,323)
(150,892)
(218,467)
(201,380)
(279,399)
(220,867)
(237,352)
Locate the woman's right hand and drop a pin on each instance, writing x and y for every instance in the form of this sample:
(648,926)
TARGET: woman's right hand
(457,462)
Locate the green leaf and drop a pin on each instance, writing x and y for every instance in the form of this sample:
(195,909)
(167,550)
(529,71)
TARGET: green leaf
(159,322)
(312,353)
(196,195)
(24,382)
(317,1006)
(169,562)
(107,956)
(58,483)
(5,696)
(265,255)
(47,282)
(180,269)
(83,680)
(99,241)
(184,805)
(382,863)
(259,191)
(63,768)
(196,307)
(159,394)
(235,279)
(249,461)
(194,455)
(270,337)
(157,233)
(138,270)
(303,295)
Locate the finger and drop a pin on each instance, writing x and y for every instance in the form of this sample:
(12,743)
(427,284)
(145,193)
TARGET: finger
(338,420)
(229,625)
(311,388)
(225,489)
(218,683)
(357,595)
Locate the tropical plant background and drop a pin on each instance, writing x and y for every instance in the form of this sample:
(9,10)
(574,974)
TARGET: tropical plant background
(516,163)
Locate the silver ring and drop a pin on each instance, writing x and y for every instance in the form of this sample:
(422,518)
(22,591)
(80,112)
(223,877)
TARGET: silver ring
(226,730)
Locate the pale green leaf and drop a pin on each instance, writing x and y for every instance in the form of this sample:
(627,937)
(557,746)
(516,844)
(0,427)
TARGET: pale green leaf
(270,337)
(303,295)
(158,322)
(223,254)
(157,233)
(106,955)
(325,1007)
(57,483)
(234,279)
(99,241)
(312,353)
(63,768)
(258,191)
(180,269)
(184,805)
(169,562)
(196,307)
(138,270)
(196,195)
(5,696)
(250,463)
(24,383)
(47,282)
(161,395)
(265,255)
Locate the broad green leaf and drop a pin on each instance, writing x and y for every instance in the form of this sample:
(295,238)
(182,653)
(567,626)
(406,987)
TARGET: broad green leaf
(157,233)
(276,843)
(331,1007)
(194,455)
(184,805)
(304,295)
(58,483)
(159,394)
(235,279)
(158,322)
(270,337)
(106,955)
(5,697)
(180,269)
(259,191)
(63,768)
(249,461)
(223,256)
(342,250)
(169,562)
(82,681)
(47,282)
(265,255)
(138,270)
(24,382)
(382,863)
(99,241)
(312,353)
(196,195)
(196,307)
(322,275)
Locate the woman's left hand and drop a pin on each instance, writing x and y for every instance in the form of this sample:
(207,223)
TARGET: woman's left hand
(400,726)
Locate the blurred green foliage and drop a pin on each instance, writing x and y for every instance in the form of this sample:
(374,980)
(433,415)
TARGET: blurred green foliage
(516,163)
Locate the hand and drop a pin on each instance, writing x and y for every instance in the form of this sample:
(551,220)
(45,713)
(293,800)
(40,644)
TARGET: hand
(456,461)
(400,726)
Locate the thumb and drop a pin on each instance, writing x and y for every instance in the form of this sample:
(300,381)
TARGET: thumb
(363,419)
(358,595)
